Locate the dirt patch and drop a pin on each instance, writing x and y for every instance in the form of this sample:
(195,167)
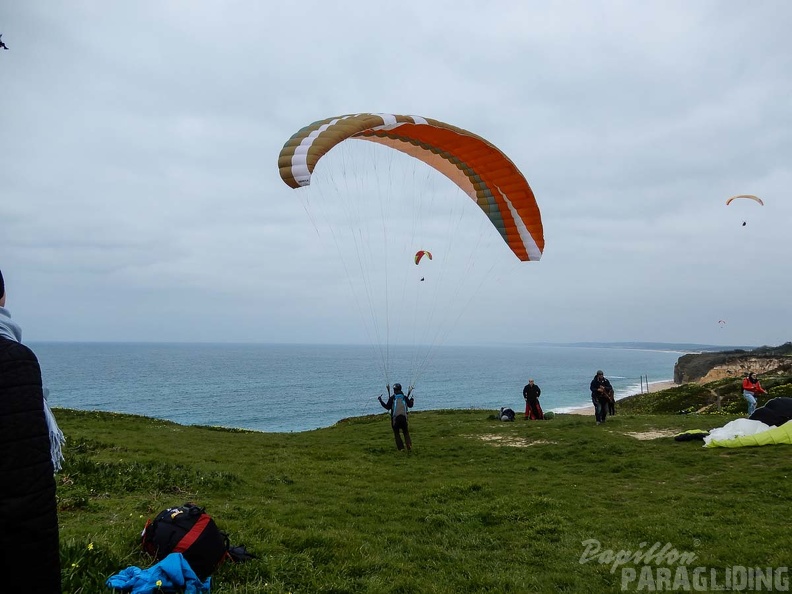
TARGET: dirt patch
(656,434)
(512,442)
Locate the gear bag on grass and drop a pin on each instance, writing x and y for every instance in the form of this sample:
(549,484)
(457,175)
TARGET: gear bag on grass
(188,530)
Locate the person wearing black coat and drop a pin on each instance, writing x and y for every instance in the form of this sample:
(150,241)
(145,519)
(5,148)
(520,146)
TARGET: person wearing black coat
(28,508)
(601,394)
(533,410)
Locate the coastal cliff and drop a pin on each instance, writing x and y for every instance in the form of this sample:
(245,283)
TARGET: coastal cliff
(711,382)
(709,367)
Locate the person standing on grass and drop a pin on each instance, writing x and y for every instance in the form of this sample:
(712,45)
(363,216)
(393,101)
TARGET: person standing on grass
(29,456)
(751,387)
(398,404)
(600,390)
(611,402)
(533,410)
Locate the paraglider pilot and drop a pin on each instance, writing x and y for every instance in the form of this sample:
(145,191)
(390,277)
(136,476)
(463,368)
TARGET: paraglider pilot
(398,404)
(2,45)
(751,387)
(533,410)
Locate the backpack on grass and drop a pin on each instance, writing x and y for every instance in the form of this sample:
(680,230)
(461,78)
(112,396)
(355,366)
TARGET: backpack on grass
(188,530)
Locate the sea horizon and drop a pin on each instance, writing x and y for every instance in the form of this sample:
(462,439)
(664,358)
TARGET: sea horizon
(277,387)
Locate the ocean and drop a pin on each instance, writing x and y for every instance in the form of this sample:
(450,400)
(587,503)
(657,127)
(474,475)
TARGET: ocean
(285,388)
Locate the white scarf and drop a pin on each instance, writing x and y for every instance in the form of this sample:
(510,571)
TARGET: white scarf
(57,439)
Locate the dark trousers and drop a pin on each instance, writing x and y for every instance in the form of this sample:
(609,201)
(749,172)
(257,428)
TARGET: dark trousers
(600,408)
(400,426)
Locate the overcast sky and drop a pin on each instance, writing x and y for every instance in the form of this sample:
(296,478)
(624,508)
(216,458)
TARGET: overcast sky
(140,198)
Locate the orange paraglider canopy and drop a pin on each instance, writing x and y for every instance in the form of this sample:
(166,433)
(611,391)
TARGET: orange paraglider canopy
(474,164)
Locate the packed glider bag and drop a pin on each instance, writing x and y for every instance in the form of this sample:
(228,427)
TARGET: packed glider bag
(188,530)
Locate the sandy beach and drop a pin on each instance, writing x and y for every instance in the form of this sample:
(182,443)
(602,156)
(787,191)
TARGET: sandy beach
(653,387)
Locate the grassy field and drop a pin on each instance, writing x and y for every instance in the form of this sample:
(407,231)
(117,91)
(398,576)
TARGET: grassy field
(477,506)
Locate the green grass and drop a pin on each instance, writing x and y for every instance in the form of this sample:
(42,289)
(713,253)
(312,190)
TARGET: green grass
(478,506)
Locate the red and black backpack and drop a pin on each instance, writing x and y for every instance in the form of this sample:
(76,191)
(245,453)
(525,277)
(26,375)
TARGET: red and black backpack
(188,530)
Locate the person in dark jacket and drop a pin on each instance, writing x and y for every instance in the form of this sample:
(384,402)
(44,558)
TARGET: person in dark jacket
(398,404)
(601,393)
(533,410)
(28,508)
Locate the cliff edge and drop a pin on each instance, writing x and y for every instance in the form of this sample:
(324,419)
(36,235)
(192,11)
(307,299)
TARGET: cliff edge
(709,367)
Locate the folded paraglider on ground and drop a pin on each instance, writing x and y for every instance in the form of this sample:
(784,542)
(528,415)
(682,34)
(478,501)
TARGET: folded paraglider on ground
(770,424)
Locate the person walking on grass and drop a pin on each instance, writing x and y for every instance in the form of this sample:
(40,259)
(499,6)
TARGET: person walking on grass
(533,410)
(601,392)
(397,404)
(751,387)
(30,453)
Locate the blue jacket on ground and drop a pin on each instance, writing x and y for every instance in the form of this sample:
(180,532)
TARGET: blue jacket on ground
(173,574)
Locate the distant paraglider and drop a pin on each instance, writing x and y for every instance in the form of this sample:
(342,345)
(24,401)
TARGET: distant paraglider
(746,196)
(420,254)
(2,45)
(749,196)
(721,323)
